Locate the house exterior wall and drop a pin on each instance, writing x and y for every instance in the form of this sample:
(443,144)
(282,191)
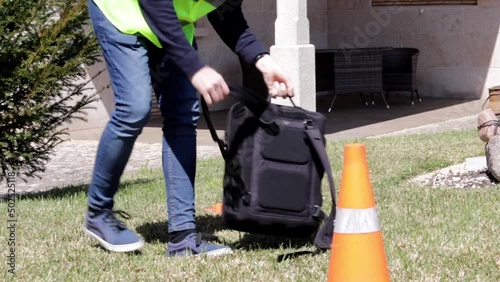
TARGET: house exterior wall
(459,46)
(460,56)
(260,15)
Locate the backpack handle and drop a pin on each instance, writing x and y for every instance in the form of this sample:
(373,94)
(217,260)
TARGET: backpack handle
(260,107)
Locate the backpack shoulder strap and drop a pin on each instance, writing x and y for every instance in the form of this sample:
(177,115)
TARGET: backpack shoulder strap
(211,127)
(324,236)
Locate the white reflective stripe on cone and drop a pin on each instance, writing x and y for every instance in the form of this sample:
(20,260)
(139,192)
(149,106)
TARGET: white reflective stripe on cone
(356,221)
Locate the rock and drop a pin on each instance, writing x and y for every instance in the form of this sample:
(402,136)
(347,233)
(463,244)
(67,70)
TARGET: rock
(488,125)
(493,156)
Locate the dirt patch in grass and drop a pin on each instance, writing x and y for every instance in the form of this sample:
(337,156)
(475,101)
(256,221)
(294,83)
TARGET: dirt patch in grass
(457,176)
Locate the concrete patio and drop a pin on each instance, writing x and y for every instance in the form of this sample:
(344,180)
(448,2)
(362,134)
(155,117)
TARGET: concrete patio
(350,118)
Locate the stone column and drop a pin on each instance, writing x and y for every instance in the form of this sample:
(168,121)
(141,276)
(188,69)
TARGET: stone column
(294,53)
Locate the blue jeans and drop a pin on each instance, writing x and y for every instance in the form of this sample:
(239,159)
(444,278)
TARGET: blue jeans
(137,68)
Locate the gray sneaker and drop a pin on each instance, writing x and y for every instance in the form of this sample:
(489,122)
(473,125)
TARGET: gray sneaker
(111,233)
(193,245)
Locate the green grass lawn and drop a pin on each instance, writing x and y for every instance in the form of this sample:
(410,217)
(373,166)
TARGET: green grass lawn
(430,234)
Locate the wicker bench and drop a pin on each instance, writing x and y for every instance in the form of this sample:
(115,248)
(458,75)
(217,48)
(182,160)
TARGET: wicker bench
(400,71)
(365,70)
(350,71)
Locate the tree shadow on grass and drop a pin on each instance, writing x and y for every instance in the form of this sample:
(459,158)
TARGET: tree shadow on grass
(69,191)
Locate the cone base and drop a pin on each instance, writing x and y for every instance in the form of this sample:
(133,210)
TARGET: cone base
(358,257)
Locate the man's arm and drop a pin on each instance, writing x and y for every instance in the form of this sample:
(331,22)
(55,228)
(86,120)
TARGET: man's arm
(229,22)
(162,18)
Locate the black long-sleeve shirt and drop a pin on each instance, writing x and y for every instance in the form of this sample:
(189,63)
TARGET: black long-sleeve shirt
(228,21)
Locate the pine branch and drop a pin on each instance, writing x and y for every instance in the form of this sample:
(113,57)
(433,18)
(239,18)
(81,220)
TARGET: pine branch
(43,60)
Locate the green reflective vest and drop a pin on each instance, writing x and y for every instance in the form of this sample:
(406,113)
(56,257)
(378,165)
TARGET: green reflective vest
(126,16)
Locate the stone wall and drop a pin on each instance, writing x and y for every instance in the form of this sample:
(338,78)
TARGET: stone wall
(460,56)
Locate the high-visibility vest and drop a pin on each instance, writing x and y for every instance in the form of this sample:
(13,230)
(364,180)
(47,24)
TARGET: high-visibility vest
(127,17)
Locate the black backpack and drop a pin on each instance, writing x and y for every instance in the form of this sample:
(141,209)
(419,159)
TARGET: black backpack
(275,159)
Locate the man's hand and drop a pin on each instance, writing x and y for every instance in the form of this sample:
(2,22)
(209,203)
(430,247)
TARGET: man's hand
(210,84)
(278,83)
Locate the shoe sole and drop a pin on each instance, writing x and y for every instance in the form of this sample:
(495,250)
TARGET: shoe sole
(115,248)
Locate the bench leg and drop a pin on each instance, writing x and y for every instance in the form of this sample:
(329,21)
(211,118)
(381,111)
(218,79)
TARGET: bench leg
(418,97)
(373,99)
(383,98)
(363,98)
(333,101)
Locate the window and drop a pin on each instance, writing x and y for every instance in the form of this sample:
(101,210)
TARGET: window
(422,2)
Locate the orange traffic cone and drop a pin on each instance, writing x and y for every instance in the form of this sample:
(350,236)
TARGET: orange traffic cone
(217,208)
(357,252)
